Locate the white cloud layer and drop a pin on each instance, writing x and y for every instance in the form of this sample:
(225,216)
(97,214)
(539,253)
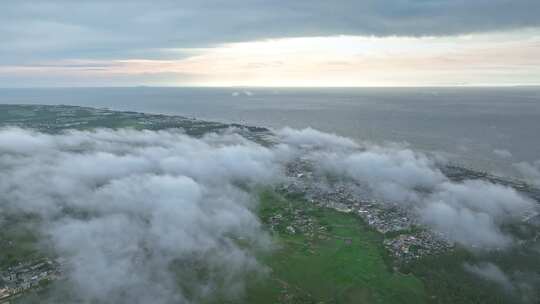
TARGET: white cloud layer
(502,153)
(531,171)
(490,272)
(471,212)
(124,205)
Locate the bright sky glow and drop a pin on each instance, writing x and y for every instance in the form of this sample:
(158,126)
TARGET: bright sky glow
(59,43)
(510,58)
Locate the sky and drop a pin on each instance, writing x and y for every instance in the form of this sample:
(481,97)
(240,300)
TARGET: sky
(57,43)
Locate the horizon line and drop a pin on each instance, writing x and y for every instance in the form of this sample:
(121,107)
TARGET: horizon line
(272,86)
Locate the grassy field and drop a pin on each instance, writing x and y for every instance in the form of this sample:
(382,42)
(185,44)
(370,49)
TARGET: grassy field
(17,242)
(338,259)
(334,258)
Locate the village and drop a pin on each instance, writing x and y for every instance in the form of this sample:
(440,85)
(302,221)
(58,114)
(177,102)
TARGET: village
(35,274)
(405,238)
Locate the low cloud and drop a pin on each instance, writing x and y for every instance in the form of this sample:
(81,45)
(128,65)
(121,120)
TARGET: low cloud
(471,213)
(125,206)
(133,211)
(531,171)
(490,272)
(519,284)
(502,153)
(313,139)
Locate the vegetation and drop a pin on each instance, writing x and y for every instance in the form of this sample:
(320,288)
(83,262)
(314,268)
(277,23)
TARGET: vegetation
(346,263)
(17,241)
(322,256)
(336,259)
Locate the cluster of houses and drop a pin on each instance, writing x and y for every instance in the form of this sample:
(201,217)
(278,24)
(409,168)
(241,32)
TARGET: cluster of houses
(20,278)
(405,238)
(408,247)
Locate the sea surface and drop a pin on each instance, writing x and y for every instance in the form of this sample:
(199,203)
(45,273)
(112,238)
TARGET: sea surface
(485,128)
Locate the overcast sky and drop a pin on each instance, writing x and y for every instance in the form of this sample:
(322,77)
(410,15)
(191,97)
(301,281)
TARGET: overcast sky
(269,43)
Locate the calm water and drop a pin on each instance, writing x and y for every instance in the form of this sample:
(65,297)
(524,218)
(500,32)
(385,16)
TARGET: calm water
(466,124)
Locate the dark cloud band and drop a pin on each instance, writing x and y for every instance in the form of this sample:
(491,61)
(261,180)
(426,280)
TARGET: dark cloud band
(38,30)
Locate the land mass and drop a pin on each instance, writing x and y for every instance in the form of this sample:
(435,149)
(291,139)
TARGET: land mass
(333,245)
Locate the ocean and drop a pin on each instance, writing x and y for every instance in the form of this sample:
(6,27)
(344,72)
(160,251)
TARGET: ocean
(485,128)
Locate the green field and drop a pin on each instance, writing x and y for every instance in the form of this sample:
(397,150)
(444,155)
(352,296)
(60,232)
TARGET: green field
(337,259)
(17,242)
